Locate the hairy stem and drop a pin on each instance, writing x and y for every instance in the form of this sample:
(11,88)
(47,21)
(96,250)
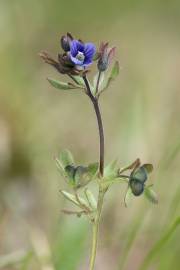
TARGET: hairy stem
(101,194)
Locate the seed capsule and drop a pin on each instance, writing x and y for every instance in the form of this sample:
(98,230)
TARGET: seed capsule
(70,170)
(137,187)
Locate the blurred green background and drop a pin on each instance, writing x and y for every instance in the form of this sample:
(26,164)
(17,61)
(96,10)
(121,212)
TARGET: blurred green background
(141,113)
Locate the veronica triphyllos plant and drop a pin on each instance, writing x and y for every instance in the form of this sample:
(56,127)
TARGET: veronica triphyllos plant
(74,62)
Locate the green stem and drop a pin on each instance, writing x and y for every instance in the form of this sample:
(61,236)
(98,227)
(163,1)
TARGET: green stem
(96,229)
(101,194)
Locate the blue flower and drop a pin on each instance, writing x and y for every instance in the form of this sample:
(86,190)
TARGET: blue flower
(81,54)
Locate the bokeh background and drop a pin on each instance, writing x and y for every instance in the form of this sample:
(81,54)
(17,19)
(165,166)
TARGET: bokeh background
(141,113)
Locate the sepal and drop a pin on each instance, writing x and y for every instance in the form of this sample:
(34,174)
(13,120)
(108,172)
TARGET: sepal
(128,197)
(114,73)
(150,195)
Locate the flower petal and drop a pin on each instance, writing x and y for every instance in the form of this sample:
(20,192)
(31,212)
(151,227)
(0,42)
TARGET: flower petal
(87,61)
(89,50)
(74,47)
(80,46)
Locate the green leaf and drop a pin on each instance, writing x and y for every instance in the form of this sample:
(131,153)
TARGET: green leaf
(93,169)
(114,73)
(95,79)
(72,198)
(91,199)
(66,158)
(79,80)
(110,170)
(150,194)
(128,197)
(61,85)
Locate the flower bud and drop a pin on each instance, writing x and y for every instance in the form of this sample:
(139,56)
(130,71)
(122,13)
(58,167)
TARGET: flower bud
(105,56)
(102,64)
(65,42)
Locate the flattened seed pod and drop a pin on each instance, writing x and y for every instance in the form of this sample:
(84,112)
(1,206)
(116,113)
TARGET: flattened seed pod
(70,171)
(140,174)
(81,176)
(137,187)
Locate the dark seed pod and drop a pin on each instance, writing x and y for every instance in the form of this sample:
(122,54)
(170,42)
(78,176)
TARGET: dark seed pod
(140,174)
(137,187)
(70,170)
(81,176)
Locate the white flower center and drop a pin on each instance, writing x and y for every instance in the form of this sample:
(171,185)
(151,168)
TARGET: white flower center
(80,56)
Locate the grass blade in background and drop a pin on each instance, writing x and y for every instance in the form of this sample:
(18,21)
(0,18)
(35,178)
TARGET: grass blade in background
(134,230)
(159,245)
(69,249)
(14,258)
